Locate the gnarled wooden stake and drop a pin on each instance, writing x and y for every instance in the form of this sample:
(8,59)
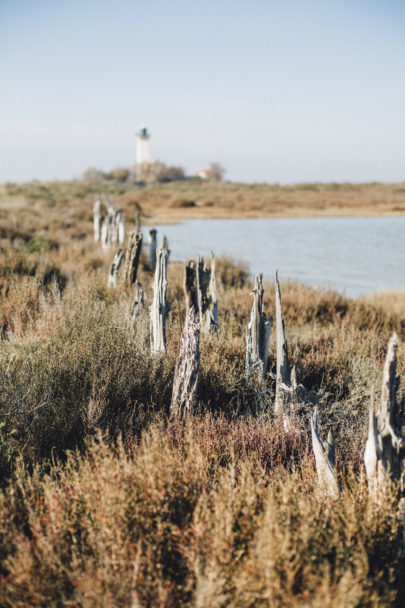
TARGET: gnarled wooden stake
(190,285)
(132,257)
(201,292)
(159,308)
(137,304)
(152,249)
(258,334)
(97,220)
(185,381)
(283,372)
(384,454)
(115,266)
(324,459)
(120,223)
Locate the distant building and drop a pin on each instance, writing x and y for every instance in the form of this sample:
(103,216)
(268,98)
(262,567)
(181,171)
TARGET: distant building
(204,174)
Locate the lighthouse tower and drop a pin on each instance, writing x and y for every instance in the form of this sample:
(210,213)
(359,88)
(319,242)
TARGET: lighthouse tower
(142,150)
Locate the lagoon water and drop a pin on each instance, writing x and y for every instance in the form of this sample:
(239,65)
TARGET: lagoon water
(351,255)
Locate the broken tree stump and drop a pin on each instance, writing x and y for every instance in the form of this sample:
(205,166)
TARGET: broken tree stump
(190,285)
(159,307)
(97,219)
(200,291)
(258,334)
(283,372)
(184,394)
(138,304)
(384,454)
(115,266)
(152,249)
(324,459)
(132,257)
(120,223)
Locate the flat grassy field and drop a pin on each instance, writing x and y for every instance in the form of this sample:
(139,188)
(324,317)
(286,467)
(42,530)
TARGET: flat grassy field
(105,500)
(188,199)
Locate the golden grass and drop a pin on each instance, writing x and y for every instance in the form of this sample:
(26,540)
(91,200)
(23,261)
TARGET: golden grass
(193,199)
(106,502)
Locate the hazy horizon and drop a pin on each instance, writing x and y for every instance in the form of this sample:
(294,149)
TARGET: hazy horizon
(278,93)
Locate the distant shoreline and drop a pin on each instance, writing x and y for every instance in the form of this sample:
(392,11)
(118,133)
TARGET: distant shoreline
(175,201)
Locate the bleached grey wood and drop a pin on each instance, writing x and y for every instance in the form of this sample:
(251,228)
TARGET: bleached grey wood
(138,304)
(207,295)
(165,245)
(97,220)
(184,394)
(283,372)
(159,307)
(190,285)
(132,256)
(120,221)
(324,459)
(384,454)
(105,234)
(152,249)
(201,292)
(115,266)
(212,319)
(258,334)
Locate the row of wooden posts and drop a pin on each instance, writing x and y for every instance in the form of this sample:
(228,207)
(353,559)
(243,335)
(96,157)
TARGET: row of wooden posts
(385,447)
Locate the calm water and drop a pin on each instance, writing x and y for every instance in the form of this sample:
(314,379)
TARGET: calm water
(351,255)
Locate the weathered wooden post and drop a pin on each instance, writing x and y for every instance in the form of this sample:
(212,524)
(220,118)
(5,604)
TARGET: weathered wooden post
(137,304)
(283,372)
(207,295)
(385,447)
(115,266)
(159,308)
(120,223)
(184,394)
(132,257)
(165,245)
(324,459)
(105,234)
(190,285)
(258,334)
(97,215)
(152,249)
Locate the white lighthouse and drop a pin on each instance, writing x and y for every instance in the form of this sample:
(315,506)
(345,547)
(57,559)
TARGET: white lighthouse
(142,151)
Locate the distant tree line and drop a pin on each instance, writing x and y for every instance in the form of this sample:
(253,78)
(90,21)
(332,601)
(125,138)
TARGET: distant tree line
(149,173)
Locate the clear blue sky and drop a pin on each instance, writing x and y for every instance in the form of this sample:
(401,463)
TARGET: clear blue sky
(278,91)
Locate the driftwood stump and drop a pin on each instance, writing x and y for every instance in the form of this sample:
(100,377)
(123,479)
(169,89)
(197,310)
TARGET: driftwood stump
(190,285)
(159,307)
(138,304)
(385,447)
(112,226)
(97,220)
(185,381)
(120,223)
(201,292)
(115,266)
(152,249)
(132,257)
(258,334)
(286,379)
(324,459)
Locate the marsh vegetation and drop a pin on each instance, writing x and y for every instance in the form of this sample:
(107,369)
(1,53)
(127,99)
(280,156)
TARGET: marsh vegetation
(107,501)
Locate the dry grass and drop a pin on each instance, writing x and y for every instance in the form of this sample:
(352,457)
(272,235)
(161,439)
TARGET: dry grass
(193,199)
(106,502)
